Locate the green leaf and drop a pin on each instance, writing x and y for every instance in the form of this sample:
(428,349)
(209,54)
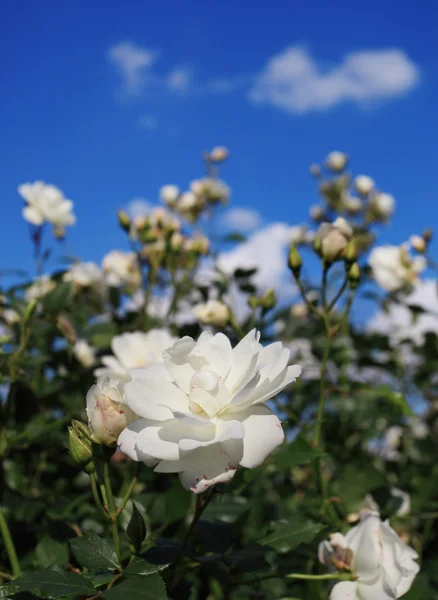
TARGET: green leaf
(49,552)
(299,452)
(286,536)
(249,559)
(100,335)
(150,587)
(58,298)
(139,566)
(94,552)
(8,590)
(136,530)
(54,583)
(226,508)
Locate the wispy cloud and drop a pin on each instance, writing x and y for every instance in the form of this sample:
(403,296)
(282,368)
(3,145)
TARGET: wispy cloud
(180,79)
(241,219)
(133,63)
(294,82)
(148,122)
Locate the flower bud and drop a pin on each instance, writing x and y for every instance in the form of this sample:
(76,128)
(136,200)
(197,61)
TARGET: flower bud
(336,161)
(169,195)
(352,204)
(299,311)
(353,275)
(316,213)
(212,312)
(269,299)
(418,243)
(427,234)
(79,446)
(67,329)
(351,252)
(334,238)
(295,262)
(364,185)
(315,170)
(253,302)
(219,154)
(124,220)
(382,206)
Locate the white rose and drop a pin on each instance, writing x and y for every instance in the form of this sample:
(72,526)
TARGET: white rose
(353,204)
(169,194)
(134,350)
(334,238)
(336,161)
(84,353)
(121,268)
(107,411)
(46,203)
(188,201)
(383,565)
(382,205)
(203,411)
(363,184)
(212,312)
(39,288)
(393,268)
(85,275)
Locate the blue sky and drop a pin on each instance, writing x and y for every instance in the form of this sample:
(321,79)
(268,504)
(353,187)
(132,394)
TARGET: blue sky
(71,116)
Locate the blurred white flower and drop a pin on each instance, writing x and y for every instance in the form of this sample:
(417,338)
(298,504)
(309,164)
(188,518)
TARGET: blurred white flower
(84,275)
(299,311)
(352,204)
(334,238)
(84,353)
(384,567)
(46,203)
(169,195)
(107,412)
(134,350)
(211,190)
(363,184)
(212,312)
(394,268)
(418,243)
(382,205)
(121,268)
(202,412)
(316,212)
(10,316)
(219,154)
(39,288)
(336,161)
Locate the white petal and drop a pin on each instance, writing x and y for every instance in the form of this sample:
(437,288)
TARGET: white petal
(263,433)
(346,590)
(244,360)
(154,397)
(374,591)
(33,215)
(201,437)
(364,540)
(177,362)
(216,351)
(161,439)
(127,443)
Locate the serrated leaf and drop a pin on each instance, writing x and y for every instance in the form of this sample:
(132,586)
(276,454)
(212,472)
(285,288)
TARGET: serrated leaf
(150,587)
(139,566)
(54,583)
(287,535)
(50,551)
(94,552)
(136,530)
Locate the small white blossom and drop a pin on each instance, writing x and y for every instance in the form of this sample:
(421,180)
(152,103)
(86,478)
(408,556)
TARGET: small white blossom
(169,195)
(336,161)
(121,268)
(212,312)
(46,203)
(84,353)
(353,204)
(418,243)
(334,238)
(394,268)
(219,154)
(85,275)
(316,212)
(382,205)
(203,411)
(364,185)
(39,288)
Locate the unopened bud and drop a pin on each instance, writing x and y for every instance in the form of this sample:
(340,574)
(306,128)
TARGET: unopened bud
(219,154)
(427,234)
(253,302)
(295,262)
(336,161)
(269,299)
(124,220)
(66,327)
(418,243)
(351,252)
(353,275)
(80,447)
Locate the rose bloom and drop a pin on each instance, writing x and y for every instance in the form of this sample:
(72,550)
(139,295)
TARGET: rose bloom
(336,161)
(134,350)
(84,275)
(107,411)
(394,268)
(334,238)
(46,203)
(169,194)
(212,312)
(384,567)
(84,353)
(363,184)
(121,268)
(39,288)
(203,411)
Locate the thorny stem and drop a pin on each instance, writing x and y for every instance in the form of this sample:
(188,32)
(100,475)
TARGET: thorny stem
(111,506)
(129,490)
(96,496)
(9,544)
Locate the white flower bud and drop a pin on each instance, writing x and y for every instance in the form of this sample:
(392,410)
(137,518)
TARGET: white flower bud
(316,212)
(169,195)
(334,238)
(219,154)
(84,353)
(383,205)
(364,185)
(336,161)
(353,204)
(418,243)
(212,312)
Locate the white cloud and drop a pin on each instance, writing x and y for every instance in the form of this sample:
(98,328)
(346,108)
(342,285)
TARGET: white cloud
(139,207)
(180,79)
(293,81)
(241,219)
(149,122)
(133,63)
(398,323)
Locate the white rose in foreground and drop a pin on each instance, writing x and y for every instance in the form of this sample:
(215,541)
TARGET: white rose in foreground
(84,353)
(203,411)
(84,275)
(107,411)
(212,312)
(394,268)
(363,184)
(384,566)
(334,238)
(46,203)
(121,268)
(39,288)
(169,195)
(133,351)
(336,161)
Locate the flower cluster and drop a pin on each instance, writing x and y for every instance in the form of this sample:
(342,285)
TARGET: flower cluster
(47,204)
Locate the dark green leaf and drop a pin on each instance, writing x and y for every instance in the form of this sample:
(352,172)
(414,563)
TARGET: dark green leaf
(49,552)
(136,530)
(251,558)
(150,587)
(287,535)
(54,583)
(94,552)
(139,566)
(57,299)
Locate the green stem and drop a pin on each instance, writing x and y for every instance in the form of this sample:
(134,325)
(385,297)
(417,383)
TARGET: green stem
(326,576)
(111,506)
(129,490)
(309,305)
(333,302)
(321,404)
(96,496)
(9,545)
